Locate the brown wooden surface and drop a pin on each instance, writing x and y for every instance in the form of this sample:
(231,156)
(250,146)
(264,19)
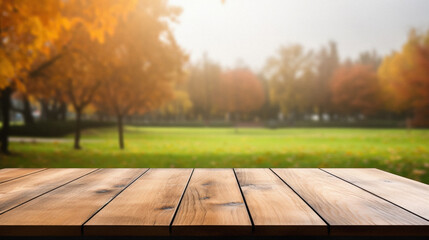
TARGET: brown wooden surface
(211,202)
(212,205)
(64,210)
(348,209)
(18,191)
(146,208)
(409,194)
(275,208)
(8,174)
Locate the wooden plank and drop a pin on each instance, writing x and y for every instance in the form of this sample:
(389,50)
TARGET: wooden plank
(146,208)
(350,210)
(275,208)
(409,194)
(8,174)
(212,205)
(63,211)
(18,191)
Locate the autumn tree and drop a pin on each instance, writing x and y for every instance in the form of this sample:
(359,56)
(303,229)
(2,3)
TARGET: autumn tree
(355,90)
(203,86)
(78,74)
(25,27)
(291,75)
(240,92)
(145,63)
(404,77)
(75,78)
(30,29)
(327,62)
(268,110)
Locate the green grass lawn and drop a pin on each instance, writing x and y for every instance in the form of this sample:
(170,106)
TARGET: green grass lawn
(395,150)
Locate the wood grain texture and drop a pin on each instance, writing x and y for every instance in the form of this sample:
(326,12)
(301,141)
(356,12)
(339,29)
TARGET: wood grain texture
(7,174)
(212,205)
(15,192)
(350,210)
(275,208)
(146,208)
(63,211)
(409,194)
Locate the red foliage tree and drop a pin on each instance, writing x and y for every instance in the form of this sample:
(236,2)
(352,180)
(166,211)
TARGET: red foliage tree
(240,92)
(355,90)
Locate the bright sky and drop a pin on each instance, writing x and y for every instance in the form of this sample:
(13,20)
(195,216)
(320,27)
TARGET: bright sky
(252,30)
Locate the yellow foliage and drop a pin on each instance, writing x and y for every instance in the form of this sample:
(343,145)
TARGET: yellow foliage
(30,29)
(394,74)
(6,70)
(180,104)
(141,69)
(404,76)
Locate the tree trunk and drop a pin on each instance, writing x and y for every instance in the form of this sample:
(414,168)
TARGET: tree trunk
(27,112)
(77,130)
(63,112)
(121,132)
(53,111)
(5,108)
(45,110)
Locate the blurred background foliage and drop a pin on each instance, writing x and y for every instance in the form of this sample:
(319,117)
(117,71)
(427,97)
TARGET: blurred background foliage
(82,65)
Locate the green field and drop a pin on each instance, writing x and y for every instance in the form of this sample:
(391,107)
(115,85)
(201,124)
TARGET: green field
(395,150)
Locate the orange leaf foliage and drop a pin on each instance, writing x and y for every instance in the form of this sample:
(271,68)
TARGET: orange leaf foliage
(404,77)
(143,62)
(240,91)
(31,29)
(355,90)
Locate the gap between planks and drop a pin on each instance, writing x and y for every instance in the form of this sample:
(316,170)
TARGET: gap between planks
(117,194)
(275,209)
(308,204)
(377,217)
(63,211)
(212,206)
(385,199)
(180,201)
(145,208)
(48,191)
(20,176)
(244,200)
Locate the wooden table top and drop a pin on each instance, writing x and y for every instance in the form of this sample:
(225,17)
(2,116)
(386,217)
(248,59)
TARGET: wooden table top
(211,202)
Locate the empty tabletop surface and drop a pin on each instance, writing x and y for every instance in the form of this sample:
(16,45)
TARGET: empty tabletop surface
(211,202)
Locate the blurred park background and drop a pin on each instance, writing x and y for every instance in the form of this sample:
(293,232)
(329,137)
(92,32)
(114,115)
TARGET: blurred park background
(156,83)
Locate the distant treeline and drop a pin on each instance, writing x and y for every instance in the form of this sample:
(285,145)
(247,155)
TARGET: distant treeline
(296,87)
(298,84)
(120,60)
